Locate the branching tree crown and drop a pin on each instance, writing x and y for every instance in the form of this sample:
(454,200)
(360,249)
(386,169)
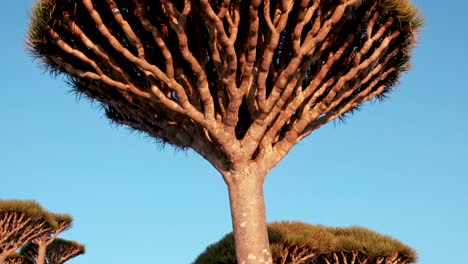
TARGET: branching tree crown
(233,80)
(238,81)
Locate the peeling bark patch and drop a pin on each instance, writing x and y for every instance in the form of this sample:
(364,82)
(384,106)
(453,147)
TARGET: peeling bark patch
(252,257)
(243,224)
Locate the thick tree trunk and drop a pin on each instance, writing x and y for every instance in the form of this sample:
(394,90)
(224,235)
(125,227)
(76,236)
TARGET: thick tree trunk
(41,253)
(249,218)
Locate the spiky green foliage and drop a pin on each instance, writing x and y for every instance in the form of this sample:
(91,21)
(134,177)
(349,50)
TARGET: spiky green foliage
(35,210)
(63,243)
(326,239)
(411,20)
(31,208)
(62,218)
(62,250)
(36,36)
(318,240)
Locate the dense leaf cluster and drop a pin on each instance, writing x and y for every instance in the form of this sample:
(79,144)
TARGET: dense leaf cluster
(292,241)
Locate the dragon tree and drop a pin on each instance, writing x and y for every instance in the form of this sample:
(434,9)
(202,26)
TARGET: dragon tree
(44,244)
(58,251)
(301,243)
(45,241)
(239,82)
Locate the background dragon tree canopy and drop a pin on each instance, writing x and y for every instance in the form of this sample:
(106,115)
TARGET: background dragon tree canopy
(301,243)
(26,224)
(233,80)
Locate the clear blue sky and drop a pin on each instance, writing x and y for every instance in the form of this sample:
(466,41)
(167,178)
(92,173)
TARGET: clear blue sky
(399,168)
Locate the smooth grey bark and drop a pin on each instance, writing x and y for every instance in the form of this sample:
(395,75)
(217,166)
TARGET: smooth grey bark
(249,217)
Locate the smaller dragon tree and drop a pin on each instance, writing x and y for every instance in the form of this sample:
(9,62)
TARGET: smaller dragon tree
(57,252)
(25,225)
(301,243)
(44,241)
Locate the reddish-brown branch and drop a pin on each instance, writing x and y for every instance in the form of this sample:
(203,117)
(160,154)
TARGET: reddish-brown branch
(293,96)
(228,75)
(356,73)
(362,97)
(17,229)
(157,36)
(178,23)
(127,29)
(105,59)
(74,52)
(341,88)
(149,69)
(275,27)
(308,48)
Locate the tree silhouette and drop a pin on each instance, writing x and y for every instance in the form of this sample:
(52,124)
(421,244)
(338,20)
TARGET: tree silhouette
(239,82)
